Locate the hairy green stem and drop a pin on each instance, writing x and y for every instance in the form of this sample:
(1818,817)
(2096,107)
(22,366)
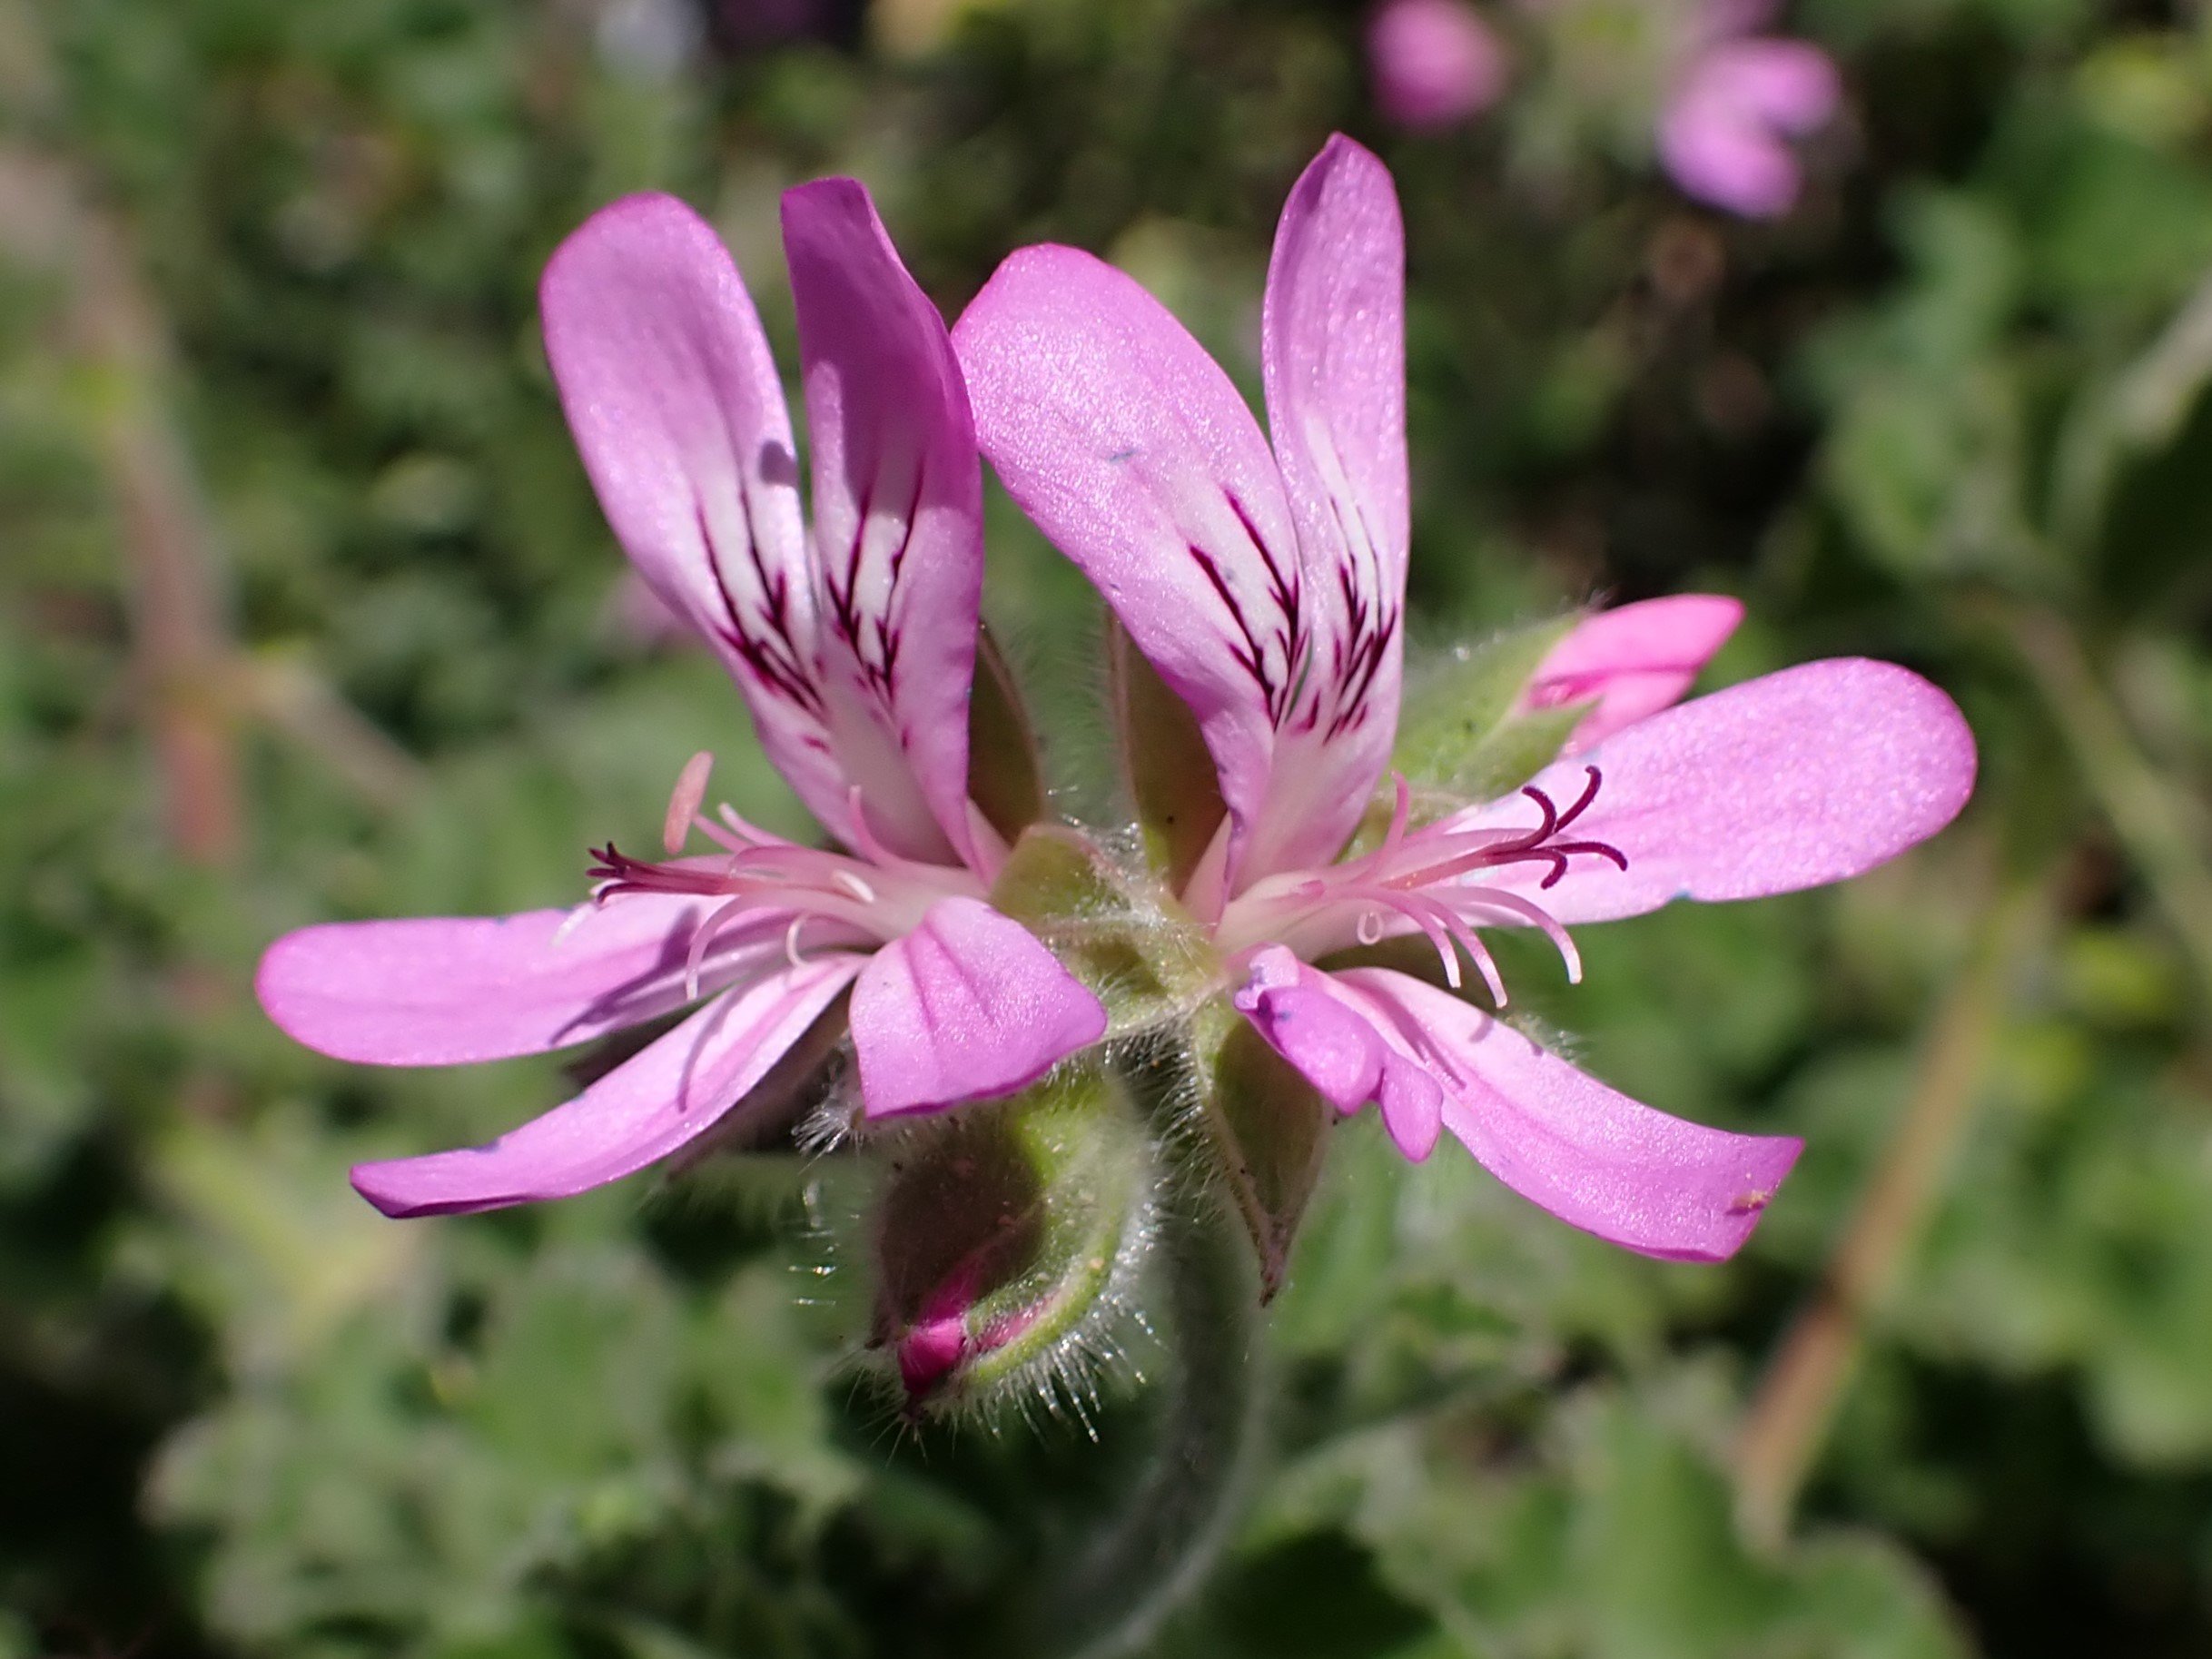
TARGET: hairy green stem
(1149,1561)
(1789,1417)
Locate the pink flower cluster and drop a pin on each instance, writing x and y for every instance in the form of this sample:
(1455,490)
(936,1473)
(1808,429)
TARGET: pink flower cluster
(1734,99)
(1263,579)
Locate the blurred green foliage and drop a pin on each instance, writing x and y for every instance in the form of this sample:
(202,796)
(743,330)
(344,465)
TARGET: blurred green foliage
(306,611)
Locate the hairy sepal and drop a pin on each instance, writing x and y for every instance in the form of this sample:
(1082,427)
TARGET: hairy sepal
(1125,941)
(1007,1240)
(1004,777)
(1467,736)
(1465,728)
(1165,763)
(1267,1128)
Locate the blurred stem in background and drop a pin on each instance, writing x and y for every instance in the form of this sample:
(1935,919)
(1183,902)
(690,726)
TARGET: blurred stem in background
(178,613)
(1789,1416)
(194,684)
(180,637)
(2150,817)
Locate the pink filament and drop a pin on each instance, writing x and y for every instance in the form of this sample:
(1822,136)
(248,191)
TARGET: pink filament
(1419,877)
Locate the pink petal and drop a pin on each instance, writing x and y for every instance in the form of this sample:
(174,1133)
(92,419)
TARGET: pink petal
(1433,62)
(1792,780)
(1337,1049)
(1590,1155)
(445,991)
(678,415)
(897,518)
(966,1007)
(1334,354)
(1634,659)
(1721,135)
(658,1100)
(1131,448)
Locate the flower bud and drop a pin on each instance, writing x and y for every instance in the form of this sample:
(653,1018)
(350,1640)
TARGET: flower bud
(1007,1237)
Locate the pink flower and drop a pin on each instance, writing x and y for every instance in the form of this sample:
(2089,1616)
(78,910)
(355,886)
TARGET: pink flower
(1433,62)
(1265,585)
(1722,131)
(855,650)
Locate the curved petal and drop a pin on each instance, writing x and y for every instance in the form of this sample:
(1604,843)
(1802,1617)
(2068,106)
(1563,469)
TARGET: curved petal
(898,519)
(661,1098)
(1333,353)
(1792,780)
(1634,659)
(435,991)
(1131,448)
(1337,1049)
(1560,1138)
(678,415)
(966,1007)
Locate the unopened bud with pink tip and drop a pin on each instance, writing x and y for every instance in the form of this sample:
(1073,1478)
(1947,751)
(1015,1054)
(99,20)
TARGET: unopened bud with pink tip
(1008,1240)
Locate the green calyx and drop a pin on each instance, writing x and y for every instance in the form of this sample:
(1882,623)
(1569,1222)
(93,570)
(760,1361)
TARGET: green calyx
(1128,943)
(1265,1126)
(1464,736)
(1165,763)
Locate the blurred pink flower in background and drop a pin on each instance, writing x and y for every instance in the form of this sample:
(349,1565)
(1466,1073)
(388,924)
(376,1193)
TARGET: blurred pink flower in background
(1740,98)
(1434,61)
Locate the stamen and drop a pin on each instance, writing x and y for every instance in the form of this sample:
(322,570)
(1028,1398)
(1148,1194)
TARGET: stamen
(714,833)
(752,832)
(1477,951)
(791,939)
(1369,927)
(864,838)
(684,801)
(852,885)
(1401,810)
(1422,916)
(701,940)
(1536,916)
